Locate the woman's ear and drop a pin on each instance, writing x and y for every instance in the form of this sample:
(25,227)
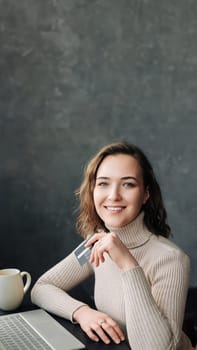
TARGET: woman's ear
(146,195)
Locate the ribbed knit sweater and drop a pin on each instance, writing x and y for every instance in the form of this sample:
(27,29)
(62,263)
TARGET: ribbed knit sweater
(148,301)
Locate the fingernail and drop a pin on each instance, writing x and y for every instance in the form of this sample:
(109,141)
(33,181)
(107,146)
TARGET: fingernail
(117,341)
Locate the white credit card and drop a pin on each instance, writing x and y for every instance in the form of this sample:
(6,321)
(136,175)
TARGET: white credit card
(82,253)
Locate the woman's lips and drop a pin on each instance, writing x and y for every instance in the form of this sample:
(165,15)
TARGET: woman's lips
(114,209)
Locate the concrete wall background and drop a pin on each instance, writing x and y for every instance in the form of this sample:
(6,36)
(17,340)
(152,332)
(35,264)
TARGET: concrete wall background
(76,75)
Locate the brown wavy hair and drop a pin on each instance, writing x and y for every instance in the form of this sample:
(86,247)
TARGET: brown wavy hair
(155,214)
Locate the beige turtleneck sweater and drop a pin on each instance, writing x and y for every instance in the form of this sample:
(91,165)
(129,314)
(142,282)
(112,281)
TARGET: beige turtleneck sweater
(147,301)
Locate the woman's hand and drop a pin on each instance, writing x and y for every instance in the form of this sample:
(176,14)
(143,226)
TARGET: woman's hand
(97,325)
(109,243)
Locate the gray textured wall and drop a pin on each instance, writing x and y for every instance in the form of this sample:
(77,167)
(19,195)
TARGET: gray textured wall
(75,75)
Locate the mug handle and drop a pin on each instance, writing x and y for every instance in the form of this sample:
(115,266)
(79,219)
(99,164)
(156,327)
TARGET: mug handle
(28,280)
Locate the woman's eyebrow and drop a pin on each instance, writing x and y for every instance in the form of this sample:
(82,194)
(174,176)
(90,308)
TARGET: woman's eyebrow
(102,177)
(122,178)
(129,178)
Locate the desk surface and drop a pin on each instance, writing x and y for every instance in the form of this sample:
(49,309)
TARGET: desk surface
(76,330)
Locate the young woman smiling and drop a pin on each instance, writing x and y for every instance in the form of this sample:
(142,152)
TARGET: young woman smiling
(135,264)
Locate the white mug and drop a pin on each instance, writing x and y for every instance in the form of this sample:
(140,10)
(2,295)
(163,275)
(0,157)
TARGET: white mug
(12,288)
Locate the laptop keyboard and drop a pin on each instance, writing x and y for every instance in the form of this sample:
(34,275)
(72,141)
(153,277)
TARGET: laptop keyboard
(17,334)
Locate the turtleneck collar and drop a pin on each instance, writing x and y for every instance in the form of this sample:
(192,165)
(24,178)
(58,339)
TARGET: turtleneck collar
(134,234)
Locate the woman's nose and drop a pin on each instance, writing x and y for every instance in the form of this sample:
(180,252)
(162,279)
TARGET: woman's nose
(114,193)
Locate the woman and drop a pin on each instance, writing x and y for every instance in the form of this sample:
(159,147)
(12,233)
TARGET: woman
(141,277)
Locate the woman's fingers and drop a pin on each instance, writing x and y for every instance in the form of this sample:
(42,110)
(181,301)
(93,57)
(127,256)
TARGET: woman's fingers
(102,335)
(97,253)
(108,329)
(105,331)
(116,329)
(91,334)
(94,238)
(94,241)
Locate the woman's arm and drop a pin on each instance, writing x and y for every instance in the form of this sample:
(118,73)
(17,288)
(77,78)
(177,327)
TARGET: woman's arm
(50,291)
(155,308)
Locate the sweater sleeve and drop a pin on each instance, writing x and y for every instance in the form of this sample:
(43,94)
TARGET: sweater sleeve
(155,304)
(50,292)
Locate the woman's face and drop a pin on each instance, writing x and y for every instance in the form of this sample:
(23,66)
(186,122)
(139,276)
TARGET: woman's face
(119,190)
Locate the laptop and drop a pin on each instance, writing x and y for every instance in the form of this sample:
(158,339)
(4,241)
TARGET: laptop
(35,329)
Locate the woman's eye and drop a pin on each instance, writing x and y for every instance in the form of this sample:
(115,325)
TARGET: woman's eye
(102,184)
(129,184)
